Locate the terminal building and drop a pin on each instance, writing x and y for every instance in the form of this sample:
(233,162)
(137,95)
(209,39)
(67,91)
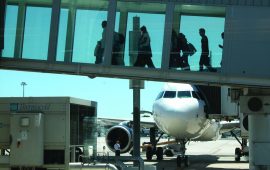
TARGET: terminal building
(46,132)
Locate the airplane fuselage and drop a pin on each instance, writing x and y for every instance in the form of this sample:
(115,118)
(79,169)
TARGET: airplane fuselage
(179,112)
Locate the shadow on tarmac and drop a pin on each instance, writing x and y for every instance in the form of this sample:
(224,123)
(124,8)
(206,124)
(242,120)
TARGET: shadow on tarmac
(203,162)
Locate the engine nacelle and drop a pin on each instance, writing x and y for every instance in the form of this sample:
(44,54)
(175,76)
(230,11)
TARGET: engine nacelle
(123,134)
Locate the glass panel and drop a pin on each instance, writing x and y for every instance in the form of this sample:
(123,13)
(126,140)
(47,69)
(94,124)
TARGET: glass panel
(10,31)
(134,15)
(36,33)
(186,37)
(183,94)
(213,27)
(61,45)
(169,94)
(87,32)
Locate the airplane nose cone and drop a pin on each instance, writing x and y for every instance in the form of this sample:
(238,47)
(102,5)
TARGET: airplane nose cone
(176,107)
(177,117)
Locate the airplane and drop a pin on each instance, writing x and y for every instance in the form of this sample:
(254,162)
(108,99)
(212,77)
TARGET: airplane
(180,111)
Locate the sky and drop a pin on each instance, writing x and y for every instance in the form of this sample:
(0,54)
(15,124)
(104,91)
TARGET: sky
(115,99)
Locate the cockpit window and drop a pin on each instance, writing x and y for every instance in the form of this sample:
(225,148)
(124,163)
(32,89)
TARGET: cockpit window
(169,94)
(184,94)
(160,94)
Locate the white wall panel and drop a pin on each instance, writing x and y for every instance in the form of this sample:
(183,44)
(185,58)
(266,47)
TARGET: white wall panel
(247,42)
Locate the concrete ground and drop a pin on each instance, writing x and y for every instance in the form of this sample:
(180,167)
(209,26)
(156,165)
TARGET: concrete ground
(213,155)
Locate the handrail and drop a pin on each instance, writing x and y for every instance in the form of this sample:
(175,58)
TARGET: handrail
(80,166)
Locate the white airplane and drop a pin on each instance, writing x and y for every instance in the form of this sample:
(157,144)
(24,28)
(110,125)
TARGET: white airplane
(179,111)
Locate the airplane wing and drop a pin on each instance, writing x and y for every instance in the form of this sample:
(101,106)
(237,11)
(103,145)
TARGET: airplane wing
(228,126)
(147,121)
(109,121)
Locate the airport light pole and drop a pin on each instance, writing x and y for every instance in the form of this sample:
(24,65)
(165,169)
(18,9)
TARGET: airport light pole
(23,84)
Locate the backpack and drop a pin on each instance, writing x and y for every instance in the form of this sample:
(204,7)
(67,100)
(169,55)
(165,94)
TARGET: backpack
(191,49)
(121,38)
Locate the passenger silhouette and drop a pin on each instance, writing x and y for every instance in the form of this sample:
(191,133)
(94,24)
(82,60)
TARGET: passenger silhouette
(221,46)
(100,46)
(183,44)
(98,53)
(175,60)
(222,36)
(204,59)
(118,40)
(144,50)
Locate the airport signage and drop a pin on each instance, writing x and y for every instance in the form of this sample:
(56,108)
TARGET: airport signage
(19,107)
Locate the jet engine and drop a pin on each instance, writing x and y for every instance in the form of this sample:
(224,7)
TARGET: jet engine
(120,132)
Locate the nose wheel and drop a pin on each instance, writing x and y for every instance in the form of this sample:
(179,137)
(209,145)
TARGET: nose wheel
(150,151)
(183,158)
(243,151)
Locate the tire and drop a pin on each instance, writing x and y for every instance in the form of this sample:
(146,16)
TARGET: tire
(186,161)
(178,161)
(159,153)
(149,153)
(237,154)
(169,152)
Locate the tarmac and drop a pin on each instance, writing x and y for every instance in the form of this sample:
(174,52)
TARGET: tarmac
(211,155)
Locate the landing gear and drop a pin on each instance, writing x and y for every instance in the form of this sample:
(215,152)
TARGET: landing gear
(159,153)
(169,152)
(182,158)
(239,152)
(149,153)
(151,150)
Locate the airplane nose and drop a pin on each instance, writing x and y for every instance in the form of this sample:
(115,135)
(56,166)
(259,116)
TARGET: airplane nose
(180,106)
(176,116)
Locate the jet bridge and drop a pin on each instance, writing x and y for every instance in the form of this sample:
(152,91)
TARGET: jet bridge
(57,37)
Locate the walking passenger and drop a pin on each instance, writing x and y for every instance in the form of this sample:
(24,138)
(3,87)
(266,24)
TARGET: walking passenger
(144,50)
(204,59)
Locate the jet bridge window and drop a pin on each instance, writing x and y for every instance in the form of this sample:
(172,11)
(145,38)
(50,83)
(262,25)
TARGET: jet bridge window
(184,94)
(169,94)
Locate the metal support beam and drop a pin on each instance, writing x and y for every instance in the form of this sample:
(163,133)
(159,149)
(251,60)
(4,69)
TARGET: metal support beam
(136,121)
(70,34)
(167,35)
(20,30)
(109,32)
(176,21)
(123,29)
(123,23)
(2,24)
(207,78)
(136,86)
(55,17)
